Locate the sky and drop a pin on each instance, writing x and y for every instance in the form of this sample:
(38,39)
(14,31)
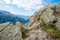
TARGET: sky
(24,7)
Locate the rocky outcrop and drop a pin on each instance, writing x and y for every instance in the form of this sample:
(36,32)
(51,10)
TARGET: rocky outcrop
(10,31)
(43,25)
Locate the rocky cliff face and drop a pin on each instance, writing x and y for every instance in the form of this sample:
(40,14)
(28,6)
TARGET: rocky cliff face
(43,25)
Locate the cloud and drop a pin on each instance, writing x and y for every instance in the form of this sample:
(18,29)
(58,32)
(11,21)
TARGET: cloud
(7,8)
(14,11)
(26,4)
(7,1)
(23,7)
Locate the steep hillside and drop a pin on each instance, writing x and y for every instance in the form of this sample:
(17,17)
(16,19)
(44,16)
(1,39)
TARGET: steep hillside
(45,24)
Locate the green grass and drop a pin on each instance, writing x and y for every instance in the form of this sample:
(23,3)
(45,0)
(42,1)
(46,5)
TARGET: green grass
(51,30)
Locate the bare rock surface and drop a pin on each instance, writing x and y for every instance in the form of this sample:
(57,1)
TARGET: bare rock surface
(43,23)
(10,31)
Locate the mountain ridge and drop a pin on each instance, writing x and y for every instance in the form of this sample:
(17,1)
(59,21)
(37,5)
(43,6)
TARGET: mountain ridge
(43,25)
(8,17)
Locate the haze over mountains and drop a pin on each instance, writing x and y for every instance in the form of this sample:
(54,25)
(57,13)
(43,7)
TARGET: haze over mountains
(6,16)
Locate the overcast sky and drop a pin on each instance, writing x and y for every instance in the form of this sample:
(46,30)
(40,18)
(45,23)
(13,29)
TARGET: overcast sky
(24,7)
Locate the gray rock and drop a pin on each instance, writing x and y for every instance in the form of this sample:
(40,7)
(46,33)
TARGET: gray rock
(11,32)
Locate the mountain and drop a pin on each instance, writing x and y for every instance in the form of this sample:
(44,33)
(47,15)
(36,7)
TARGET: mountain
(8,17)
(43,25)
(24,18)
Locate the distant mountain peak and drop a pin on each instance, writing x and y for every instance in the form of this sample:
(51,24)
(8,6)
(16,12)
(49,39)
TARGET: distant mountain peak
(6,16)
